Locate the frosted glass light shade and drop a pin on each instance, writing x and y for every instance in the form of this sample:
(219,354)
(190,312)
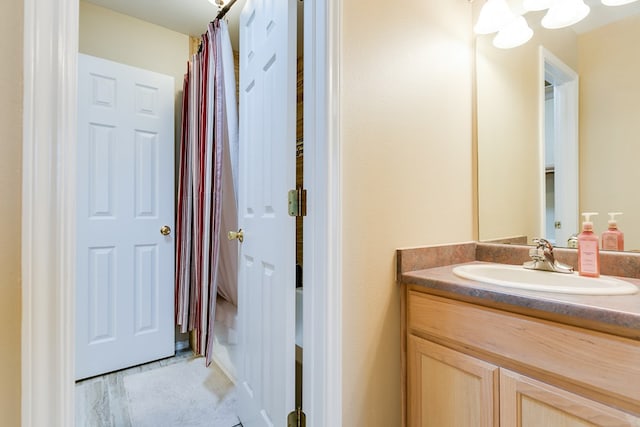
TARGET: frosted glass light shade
(494,15)
(616,2)
(534,5)
(516,33)
(564,13)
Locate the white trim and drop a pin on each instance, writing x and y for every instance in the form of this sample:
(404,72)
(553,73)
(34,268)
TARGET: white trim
(565,81)
(559,72)
(48,211)
(322,273)
(567,159)
(542,200)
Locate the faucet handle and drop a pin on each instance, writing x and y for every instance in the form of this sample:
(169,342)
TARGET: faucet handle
(543,259)
(543,244)
(537,254)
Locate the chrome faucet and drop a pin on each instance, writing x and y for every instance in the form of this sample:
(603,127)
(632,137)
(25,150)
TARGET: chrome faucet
(542,258)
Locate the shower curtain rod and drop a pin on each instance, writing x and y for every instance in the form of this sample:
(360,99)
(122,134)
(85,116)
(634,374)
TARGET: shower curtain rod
(225,9)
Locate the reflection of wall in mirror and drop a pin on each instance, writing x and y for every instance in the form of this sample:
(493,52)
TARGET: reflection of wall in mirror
(609,68)
(508,155)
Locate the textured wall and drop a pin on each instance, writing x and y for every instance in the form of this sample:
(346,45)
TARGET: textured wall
(609,66)
(406,116)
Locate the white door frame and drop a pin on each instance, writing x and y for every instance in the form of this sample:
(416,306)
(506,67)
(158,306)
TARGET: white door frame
(48,214)
(322,240)
(565,81)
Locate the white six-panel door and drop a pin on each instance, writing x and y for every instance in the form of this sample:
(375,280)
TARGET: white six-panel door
(125,266)
(267,171)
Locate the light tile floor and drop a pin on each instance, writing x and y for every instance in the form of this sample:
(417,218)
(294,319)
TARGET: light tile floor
(101,401)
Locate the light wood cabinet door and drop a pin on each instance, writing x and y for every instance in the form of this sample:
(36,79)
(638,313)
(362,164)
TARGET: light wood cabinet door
(525,402)
(448,388)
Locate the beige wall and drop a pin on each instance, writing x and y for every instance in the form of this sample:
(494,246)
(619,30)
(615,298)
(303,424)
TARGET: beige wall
(609,66)
(121,38)
(508,132)
(406,157)
(10,209)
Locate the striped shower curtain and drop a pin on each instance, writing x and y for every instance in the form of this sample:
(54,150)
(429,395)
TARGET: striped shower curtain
(206,262)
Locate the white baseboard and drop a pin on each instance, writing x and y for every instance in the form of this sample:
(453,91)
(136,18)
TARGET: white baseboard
(215,359)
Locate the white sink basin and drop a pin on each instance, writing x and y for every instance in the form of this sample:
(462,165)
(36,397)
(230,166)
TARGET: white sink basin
(519,277)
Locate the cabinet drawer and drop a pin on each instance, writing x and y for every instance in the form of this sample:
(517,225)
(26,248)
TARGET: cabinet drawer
(583,359)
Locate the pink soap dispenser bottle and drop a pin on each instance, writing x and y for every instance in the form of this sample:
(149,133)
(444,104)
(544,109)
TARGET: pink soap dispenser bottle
(588,252)
(613,239)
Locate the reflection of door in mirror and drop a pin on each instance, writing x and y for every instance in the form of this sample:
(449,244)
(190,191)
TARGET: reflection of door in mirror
(603,49)
(559,149)
(549,164)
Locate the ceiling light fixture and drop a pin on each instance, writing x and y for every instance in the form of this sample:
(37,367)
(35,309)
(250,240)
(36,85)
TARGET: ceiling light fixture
(564,13)
(516,33)
(494,15)
(512,28)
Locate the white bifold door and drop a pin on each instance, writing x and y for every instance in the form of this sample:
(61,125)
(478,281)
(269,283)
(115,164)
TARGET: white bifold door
(125,215)
(266,306)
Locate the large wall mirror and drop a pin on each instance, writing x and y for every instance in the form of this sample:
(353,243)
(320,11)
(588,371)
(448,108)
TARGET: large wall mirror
(523,112)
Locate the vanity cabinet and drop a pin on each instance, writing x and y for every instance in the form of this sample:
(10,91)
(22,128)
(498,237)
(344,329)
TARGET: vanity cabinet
(525,402)
(449,388)
(470,365)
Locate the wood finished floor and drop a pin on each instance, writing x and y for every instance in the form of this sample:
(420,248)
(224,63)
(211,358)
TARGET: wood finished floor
(101,401)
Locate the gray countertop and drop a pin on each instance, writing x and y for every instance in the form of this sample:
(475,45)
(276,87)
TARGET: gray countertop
(618,314)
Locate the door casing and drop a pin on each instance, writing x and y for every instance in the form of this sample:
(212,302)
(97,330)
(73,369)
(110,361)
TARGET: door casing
(565,82)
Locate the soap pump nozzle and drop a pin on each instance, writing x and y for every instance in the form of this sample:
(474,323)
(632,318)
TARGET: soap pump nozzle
(612,219)
(587,225)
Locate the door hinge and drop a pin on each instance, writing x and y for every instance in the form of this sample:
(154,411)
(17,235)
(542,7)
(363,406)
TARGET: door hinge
(298,202)
(297,418)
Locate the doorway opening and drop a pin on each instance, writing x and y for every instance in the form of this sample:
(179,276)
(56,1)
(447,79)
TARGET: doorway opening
(102,32)
(51,38)
(227,351)
(558,149)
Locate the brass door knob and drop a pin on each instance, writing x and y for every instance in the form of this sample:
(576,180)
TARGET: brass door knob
(165,230)
(236,235)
